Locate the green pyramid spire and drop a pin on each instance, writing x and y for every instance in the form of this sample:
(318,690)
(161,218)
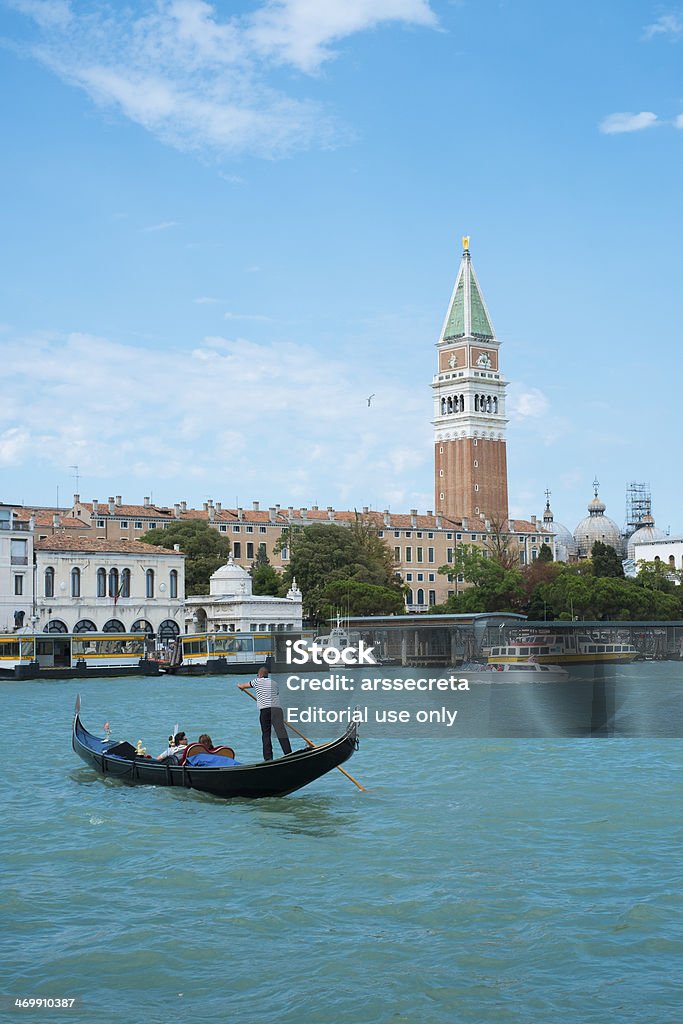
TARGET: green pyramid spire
(467,314)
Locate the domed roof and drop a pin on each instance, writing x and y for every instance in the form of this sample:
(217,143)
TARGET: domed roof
(565,545)
(597,527)
(230,579)
(647,531)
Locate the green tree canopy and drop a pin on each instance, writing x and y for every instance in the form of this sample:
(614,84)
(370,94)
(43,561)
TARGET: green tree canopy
(326,553)
(606,561)
(205,548)
(265,580)
(497,587)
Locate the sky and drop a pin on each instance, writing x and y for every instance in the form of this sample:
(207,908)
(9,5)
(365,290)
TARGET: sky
(225,225)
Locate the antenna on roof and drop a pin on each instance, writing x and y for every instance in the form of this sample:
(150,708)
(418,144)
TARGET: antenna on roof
(77,477)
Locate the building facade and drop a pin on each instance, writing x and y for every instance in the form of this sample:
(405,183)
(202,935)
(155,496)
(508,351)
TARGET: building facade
(231,607)
(16,570)
(83,584)
(470,455)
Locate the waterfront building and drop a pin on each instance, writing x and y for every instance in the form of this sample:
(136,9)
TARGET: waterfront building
(16,570)
(596,526)
(231,606)
(86,584)
(470,458)
(646,532)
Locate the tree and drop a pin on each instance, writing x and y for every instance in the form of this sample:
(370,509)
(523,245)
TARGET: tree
(496,588)
(265,580)
(326,553)
(205,550)
(360,599)
(606,561)
(544,553)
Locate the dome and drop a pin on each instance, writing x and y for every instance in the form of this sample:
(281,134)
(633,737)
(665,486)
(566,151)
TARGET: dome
(565,545)
(230,580)
(647,531)
(597,527)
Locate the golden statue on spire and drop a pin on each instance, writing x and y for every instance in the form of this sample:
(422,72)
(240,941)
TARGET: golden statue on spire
(466,242)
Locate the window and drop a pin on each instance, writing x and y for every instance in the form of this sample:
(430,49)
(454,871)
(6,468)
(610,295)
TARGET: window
(75,582)
(409,577)
(420,596)
(252,627)
(138,525)
(409,533)
(449,536)
(432,597)
(250,529)
(419,557)
(397,533)
(237,549)
(449,554)
(149,583)
(476,487)
(431,577)
(113,582)
(262,529)
(397,554)
(222,528)
(152,526)
(409,554)
(420,577)
(262,549)
(250,549)
(19,552)
(419,533)
(49,582)
(18,585)
(430,536)
(125,583)
(100,524)
(380,533)
(236,529)
(173,582)
(476,464)
(430,554)
(124,524)
(101,583)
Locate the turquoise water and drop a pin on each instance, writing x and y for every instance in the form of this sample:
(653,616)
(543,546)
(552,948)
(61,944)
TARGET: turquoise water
(483,880)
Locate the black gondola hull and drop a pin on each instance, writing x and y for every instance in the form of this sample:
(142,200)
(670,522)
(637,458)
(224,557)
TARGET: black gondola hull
(263,779)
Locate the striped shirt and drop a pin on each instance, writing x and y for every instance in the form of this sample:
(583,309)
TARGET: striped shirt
(267,693)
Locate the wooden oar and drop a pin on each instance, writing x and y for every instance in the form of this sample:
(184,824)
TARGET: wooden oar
(312,744)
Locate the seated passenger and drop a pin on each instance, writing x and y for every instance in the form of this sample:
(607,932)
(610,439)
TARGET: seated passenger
(175,748)
(206,741)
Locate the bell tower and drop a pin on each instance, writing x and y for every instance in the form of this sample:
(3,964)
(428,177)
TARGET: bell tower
(470,461)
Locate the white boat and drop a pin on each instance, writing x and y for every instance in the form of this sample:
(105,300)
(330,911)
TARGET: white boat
(561,648)
(340,638)
(514,672)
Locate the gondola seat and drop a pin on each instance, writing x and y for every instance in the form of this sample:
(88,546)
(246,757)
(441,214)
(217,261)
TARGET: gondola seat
(198,748)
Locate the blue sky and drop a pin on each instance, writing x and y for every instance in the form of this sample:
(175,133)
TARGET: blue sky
(225,224)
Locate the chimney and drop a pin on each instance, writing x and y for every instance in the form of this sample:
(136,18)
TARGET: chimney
(303,512)
(145,502)
(183,505)
(95,506)
(413,517)
(176,547)
(77,499)
(487,524)
(290,513)
(465,523)
(365,510)
(112,507)
(118,500)
(533,520)
(212,512)
(330,513)
(240,513)
(272,512)
(314,508)
(56,522)
(387,517)
(437,521)
(219,506)
(430,512)
(206,506)
(176,510)
(277,507)
(32,522)
(254,506)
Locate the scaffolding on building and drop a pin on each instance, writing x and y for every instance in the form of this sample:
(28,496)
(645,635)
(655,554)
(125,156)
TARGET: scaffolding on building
(638,505)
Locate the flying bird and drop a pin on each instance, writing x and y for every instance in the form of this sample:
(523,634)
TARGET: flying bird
(370,398)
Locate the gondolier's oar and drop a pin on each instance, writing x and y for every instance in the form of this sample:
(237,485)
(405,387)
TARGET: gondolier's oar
(312,744)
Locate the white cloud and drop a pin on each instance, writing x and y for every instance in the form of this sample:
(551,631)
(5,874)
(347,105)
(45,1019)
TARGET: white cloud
(207,300)
(668,25)
(163,226)
(242,415)
(614,124)
(248,316)
(524,403)
(201,83)
(679,121)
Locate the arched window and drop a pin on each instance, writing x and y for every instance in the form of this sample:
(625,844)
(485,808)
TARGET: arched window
(420,596)
(495,404)
(125,583)
(409,598)
(443,406)
(462,403)
(49,582)
(114,626)
(113,582)
(173,582)
(56,626)
(450,403)
(101,583)
(142,626)
(168,630)
(85,626)
(149,583)
(75,582)
(476,403)
(672,561)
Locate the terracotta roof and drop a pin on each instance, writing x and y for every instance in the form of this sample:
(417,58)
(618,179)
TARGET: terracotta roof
(64,542)
(45,517)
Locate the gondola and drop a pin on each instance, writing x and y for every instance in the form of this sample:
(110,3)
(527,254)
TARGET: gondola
(265,778)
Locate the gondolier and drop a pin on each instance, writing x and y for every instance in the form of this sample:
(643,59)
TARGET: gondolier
(270,712)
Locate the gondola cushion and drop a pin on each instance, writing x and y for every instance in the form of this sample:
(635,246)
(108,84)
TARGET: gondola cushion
(210,761)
